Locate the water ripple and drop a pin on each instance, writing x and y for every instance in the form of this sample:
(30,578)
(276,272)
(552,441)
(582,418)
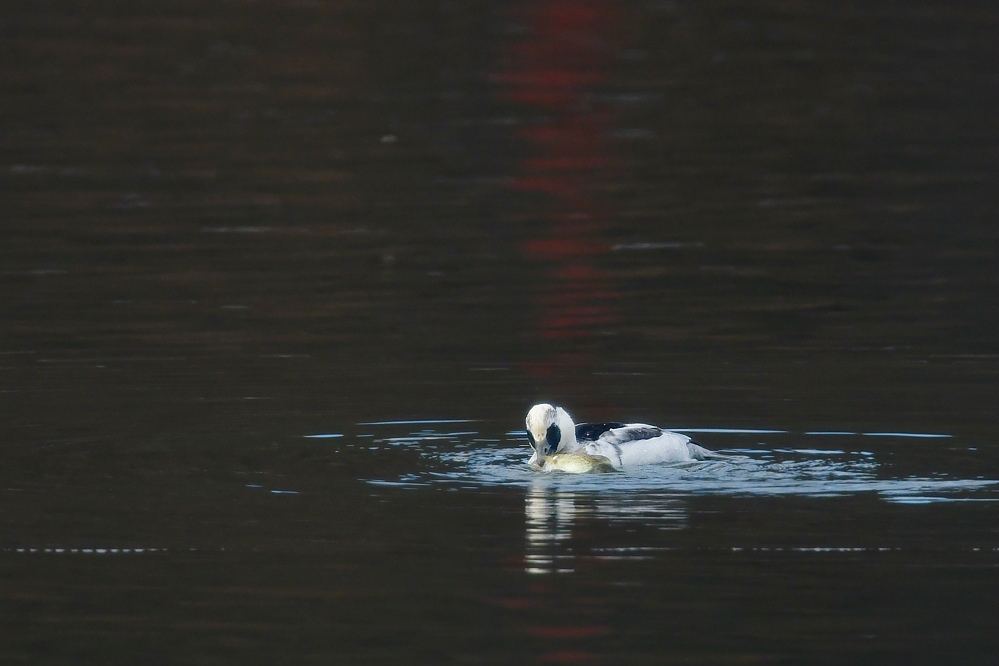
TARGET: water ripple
(469,459)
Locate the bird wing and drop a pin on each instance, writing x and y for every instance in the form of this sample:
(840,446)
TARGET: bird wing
(591,432)
(624,433)
(617,441)
(627,444)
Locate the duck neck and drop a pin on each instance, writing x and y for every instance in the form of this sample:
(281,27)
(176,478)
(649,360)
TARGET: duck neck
(568,430)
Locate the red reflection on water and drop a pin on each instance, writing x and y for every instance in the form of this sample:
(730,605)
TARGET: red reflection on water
(569,50)
(567,632)
(570,657)
(515,603)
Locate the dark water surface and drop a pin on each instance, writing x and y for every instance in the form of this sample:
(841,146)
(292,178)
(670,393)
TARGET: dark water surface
(279,281)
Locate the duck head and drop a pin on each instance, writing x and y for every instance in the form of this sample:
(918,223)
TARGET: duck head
(550,430)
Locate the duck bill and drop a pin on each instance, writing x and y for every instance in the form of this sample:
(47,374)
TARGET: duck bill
(540,448)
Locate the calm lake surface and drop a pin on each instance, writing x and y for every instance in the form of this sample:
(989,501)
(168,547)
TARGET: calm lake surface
(280,280)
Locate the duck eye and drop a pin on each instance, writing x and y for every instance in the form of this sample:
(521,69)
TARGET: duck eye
(554,436)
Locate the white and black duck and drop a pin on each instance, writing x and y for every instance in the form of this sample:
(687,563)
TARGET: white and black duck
(561,444)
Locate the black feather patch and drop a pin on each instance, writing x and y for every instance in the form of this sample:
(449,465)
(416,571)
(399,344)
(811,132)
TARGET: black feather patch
(589,432)
(554,437)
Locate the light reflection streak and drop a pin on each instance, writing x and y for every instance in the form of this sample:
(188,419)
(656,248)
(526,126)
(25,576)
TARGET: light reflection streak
(552,514)
(51,550)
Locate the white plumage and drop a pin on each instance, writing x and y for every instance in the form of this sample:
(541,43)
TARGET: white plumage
(553,434)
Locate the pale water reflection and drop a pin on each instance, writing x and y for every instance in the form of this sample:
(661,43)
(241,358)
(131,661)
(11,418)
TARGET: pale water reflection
(552,513)
(550,516)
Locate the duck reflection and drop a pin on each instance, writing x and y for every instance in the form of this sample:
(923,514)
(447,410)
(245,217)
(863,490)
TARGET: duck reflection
(552,514)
